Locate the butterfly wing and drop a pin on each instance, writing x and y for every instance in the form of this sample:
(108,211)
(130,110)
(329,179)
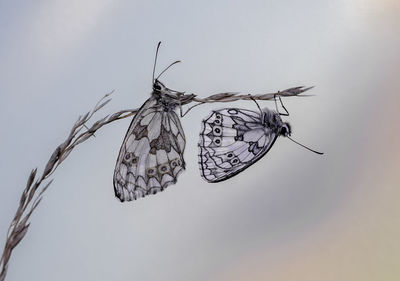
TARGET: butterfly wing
(231,140)
(151,155)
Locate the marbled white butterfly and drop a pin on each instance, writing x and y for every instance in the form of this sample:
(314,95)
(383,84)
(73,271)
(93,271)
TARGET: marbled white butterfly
(151,155)
(233,139)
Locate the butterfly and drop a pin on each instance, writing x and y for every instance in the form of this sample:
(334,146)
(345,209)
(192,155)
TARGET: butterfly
(233,139)
(151,155)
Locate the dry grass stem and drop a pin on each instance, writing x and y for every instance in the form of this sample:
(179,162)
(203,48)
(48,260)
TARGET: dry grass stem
(80,132)
(231,96)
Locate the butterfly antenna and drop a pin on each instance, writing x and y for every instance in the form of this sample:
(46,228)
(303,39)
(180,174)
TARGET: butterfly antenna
(259,108)
(175,62)
(155,60)
(317,152)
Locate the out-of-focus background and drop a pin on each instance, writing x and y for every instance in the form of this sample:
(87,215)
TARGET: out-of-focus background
(293,215)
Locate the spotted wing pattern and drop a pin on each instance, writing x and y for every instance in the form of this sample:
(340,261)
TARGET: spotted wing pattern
(231,140)
(151,155)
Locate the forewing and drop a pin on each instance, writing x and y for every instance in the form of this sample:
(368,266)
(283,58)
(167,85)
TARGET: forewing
(231,140)
(151,155)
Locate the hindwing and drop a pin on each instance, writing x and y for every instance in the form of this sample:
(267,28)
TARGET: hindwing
(151,155)
(231,140)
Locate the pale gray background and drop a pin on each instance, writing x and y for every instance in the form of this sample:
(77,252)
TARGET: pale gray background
(292,216)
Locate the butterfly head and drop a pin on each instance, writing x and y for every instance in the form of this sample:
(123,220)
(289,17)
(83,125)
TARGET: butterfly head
(273,121)
(167,98)
(158,87)
(285,130)
(160,91)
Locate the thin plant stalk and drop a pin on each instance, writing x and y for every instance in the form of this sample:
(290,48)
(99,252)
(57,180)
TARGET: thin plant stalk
(80,132)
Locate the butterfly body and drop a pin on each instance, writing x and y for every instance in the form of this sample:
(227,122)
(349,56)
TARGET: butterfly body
(233,139)
(166,98)
(151,155)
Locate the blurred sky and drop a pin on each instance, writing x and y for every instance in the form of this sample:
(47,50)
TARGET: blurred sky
(293,215)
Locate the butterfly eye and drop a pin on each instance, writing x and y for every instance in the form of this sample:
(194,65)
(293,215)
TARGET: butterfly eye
(157,87)
(286,130)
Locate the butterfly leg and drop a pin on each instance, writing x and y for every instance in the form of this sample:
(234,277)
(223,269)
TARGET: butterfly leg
(276,106)
(259,108)
(190,108)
